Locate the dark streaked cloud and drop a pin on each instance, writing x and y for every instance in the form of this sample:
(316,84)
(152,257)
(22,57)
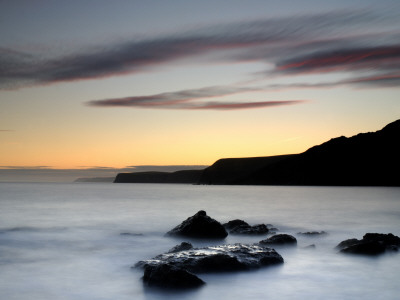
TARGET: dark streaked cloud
(135,56)
(244,105)
(171,99)
(354,42)
(192,99)
(371,58)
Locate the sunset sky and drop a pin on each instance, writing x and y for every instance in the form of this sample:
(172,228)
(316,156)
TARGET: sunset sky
(114,84)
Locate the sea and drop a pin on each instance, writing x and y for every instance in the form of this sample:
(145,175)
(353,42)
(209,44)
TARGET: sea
(79,241)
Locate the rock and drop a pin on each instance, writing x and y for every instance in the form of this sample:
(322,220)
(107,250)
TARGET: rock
(365,247)
(256,229)
(199,226)
(347,243)
(234,223)
(165,275)
(309,247)
(280,239)
(241,227)
(313,233)
(223,258)
(371,244)
(181,247)
(386,239)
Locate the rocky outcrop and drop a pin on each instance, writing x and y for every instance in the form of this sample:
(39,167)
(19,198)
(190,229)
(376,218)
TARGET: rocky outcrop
(175,268)
(370,244)
(233,257)
(199,226)
(241,227)
(280,239)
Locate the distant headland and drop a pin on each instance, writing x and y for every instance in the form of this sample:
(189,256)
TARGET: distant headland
(366,159)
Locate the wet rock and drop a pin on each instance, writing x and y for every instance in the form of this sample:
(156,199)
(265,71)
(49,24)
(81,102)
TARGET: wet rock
(223,258)
(199,226)
(165,275)
(280,239)
(181,247)
(241,227)
(370,244)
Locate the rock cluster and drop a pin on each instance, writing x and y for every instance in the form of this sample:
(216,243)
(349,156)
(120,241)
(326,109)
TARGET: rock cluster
(178,268)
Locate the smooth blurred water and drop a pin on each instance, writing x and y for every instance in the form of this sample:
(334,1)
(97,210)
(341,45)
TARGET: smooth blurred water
(63,241)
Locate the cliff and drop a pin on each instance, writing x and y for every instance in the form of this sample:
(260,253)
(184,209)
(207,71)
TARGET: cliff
(365,159)
(184,176)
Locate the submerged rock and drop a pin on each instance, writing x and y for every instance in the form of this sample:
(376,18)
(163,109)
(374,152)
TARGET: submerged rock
(313,233)
(165,275)
(131,234)
(199,226)
(370,244)
(222,258)
(241,227)
(280,239)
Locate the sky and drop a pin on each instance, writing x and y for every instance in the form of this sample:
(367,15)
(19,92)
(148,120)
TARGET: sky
(110,85)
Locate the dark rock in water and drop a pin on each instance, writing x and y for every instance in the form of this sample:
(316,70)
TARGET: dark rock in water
(365,247)
(200,226)
(347,243)
(386,239)
(371,244)
(280,239)
(241,227)
(181,247)
(313,233)
(310,247)
(256,229)
(169,276)
(223,258)
(234,223)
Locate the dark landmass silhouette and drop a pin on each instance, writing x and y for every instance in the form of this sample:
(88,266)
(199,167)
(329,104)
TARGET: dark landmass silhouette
(366,159)
(184,176)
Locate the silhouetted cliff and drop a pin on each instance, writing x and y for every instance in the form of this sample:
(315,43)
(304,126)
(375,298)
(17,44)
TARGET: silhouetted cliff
(364,159)
(232,170)
(184,176)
